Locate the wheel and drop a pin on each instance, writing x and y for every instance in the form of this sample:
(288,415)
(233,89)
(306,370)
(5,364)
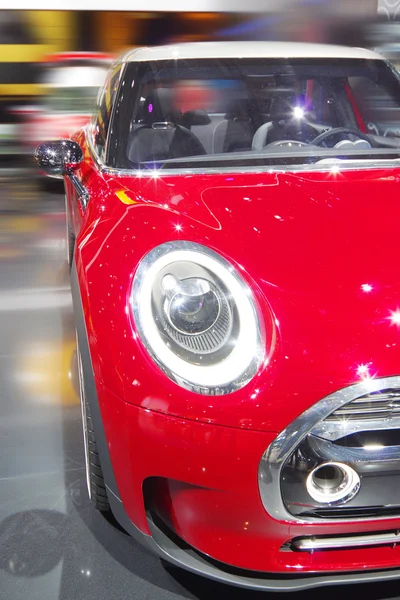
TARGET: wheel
(94,474)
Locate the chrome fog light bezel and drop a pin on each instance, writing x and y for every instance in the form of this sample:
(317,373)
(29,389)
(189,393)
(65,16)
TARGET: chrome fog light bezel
(344,492)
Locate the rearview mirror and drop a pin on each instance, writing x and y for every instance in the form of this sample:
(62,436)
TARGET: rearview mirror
(58,158)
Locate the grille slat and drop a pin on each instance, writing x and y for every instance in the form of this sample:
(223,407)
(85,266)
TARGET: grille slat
(384,401)
(383,404)
(364,409)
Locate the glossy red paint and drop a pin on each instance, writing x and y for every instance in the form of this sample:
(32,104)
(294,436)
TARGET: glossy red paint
(308,244)
(320,251)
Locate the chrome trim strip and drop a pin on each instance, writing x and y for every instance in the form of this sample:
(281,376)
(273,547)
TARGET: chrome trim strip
(346,454)
(82,192)
(273,459)
(334,430)
(356,541)
(353,166)
(319,168)
(96,158)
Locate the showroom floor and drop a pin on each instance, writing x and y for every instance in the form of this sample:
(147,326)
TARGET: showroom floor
(53,545)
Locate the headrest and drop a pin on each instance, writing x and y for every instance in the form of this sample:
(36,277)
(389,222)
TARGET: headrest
(160,106)
(195,117)
(238,109)
(282,108)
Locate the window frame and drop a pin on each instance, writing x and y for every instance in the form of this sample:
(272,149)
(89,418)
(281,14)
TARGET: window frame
(116,70)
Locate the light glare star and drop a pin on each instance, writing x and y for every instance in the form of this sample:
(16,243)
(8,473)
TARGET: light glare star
(298,112)
(395,317)
(363,371)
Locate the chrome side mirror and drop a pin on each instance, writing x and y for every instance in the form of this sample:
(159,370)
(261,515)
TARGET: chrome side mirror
(58,158)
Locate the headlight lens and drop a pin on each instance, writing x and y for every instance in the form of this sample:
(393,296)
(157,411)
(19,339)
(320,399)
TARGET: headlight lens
(197,318)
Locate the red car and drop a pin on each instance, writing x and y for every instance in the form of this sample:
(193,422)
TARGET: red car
(237,298)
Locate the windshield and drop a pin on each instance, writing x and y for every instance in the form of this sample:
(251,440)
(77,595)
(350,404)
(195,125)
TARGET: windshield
(252,112)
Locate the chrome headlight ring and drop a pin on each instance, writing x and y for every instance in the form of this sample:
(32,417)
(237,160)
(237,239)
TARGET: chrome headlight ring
(197,318)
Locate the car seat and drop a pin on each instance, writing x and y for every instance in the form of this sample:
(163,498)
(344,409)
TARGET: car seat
(161,136)
(236,131)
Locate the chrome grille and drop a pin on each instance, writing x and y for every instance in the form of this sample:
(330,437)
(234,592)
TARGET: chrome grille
(359,424)
(383,404)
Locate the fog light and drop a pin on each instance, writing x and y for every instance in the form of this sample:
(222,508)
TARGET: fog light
(333,482)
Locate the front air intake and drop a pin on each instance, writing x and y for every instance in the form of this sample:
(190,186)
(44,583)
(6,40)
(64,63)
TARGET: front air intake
(340,460)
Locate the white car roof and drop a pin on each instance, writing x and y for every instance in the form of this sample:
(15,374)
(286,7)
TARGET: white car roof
(248,50)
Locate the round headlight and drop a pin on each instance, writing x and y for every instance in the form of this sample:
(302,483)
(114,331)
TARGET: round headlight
(197,318)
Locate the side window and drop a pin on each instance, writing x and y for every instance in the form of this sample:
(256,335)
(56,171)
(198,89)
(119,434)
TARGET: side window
(105,103)
(379,109)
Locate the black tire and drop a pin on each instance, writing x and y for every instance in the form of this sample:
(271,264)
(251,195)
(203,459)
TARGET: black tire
(70,242)
(94,473)
(98,486)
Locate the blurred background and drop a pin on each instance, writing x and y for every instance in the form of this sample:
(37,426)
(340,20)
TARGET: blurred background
(52,62)
(51,65)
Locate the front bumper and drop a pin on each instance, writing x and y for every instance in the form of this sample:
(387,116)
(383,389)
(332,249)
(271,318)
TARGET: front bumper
(181,555)
(191,490)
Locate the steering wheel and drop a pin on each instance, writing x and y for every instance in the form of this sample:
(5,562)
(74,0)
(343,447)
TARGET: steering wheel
(283,143)
(337,131)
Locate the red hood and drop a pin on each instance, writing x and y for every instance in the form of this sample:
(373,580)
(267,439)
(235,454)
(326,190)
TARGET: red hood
(323,250)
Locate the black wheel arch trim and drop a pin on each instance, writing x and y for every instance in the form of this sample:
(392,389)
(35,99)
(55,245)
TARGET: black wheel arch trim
(161,544)
(91,397)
